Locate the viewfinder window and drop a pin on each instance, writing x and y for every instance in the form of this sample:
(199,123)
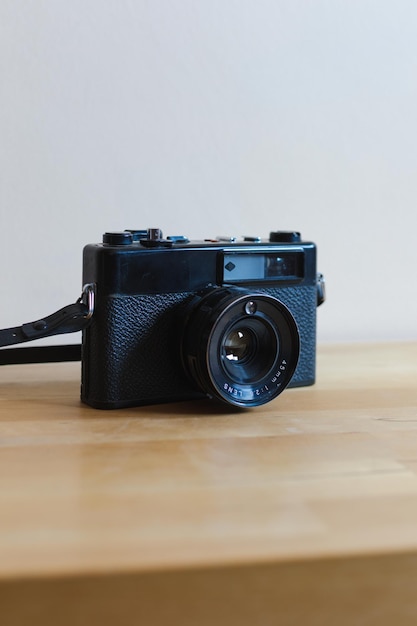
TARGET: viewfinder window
(272,266)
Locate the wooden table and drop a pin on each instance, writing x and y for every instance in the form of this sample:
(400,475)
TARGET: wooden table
(301,512)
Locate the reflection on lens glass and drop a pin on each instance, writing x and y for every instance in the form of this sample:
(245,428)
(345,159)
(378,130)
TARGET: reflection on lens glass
(249,350)
(239,345)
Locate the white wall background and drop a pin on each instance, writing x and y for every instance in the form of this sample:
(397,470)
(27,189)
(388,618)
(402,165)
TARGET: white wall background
(207,117)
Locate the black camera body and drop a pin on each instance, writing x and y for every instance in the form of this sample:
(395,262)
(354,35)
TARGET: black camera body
(232,319)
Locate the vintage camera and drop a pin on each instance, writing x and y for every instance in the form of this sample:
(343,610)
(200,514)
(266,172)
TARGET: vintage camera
(232,319)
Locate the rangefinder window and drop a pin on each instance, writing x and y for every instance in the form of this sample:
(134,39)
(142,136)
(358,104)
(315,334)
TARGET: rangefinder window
(272,266)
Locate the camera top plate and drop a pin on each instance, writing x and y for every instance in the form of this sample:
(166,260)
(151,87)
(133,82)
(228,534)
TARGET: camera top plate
(153,238)
(134,262)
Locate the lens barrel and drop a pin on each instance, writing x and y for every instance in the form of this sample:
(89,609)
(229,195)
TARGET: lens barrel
(240,347)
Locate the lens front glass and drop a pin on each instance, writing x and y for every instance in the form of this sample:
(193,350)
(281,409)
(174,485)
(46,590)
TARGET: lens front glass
(239,345)
(248,350)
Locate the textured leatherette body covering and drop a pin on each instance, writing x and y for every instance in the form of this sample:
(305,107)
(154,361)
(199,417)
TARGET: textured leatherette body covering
(302,303)
(131,351)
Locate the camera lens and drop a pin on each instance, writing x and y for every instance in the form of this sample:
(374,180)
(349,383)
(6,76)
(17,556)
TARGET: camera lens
(240,347)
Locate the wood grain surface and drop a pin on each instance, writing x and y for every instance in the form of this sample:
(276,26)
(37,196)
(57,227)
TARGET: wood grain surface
(191,514)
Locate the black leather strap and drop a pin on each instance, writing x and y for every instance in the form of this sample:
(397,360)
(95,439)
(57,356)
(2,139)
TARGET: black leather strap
(67,320)
(70,319)
(40,354)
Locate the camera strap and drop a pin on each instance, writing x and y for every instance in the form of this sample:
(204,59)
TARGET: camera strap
(69,319)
